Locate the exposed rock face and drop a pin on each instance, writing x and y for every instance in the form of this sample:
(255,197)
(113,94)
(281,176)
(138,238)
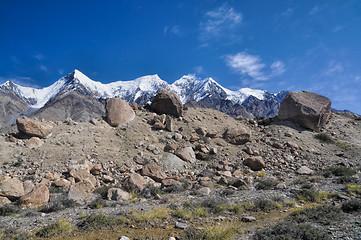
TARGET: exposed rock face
(38,197)
(307,109)
(11,188)
(118,112)
(255,163)
(77,105)
(238,135)
(167,102)
(33,128)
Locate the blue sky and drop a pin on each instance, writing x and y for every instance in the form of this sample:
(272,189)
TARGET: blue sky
(271,45)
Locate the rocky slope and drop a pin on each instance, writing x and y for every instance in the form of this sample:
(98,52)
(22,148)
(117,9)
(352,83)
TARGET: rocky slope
(161,176)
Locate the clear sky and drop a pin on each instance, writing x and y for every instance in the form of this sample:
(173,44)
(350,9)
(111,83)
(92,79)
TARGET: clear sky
(264,44)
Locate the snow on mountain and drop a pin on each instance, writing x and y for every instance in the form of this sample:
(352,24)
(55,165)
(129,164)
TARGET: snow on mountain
(188,87)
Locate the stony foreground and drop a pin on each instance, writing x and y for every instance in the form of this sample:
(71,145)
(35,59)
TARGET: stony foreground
(203,175)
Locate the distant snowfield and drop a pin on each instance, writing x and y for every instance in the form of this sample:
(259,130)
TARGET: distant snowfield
(187,87)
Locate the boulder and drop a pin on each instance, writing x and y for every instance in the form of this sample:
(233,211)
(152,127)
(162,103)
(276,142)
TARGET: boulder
(169,124)
(34,142)
(167,102)
(306,109)
(38,197)
(80,175)
(4,201)
(77,193)
(135,182)
(304,170)
(237,135)
(118,112)
(187,154)
(255,163)
(118,194)
(11,188)
(33,128)
(153,171)
(172,163)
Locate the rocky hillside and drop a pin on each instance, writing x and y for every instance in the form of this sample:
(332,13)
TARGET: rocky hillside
(80,98)
(190,174)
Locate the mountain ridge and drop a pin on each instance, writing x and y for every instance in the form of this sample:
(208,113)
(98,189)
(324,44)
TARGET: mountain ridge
(190,89)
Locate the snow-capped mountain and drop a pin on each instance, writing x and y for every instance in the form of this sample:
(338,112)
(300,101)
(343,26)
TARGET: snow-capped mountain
(191,90)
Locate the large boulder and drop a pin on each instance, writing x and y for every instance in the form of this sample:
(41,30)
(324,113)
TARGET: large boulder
(187,154)
(309,110)
(11,188)
(33,128)
(118,194)
(118,112)
(237,135)
(172,163)
(154,172)
(38,197)
(167,102)
(255,163)
(134,182)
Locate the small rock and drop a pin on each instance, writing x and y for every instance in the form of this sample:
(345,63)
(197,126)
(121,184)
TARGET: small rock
(204,191)
(178,137)
(123,238)
(34,142)
(181,225)
(248,219)
(304,170)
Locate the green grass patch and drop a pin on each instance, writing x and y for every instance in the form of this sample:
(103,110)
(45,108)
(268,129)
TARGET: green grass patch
(155,214)
(61,227)
(353,189)
(311,195)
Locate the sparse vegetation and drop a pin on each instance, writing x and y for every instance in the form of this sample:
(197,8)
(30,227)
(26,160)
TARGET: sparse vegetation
(8,210)
(95,221)
(266,184)
(352,205)
(61,227)
(338,171)
(324,137)
(321,214)
(59,203)
(156,214)
(291,230)
(353,189)
(310,195)
(211,233)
